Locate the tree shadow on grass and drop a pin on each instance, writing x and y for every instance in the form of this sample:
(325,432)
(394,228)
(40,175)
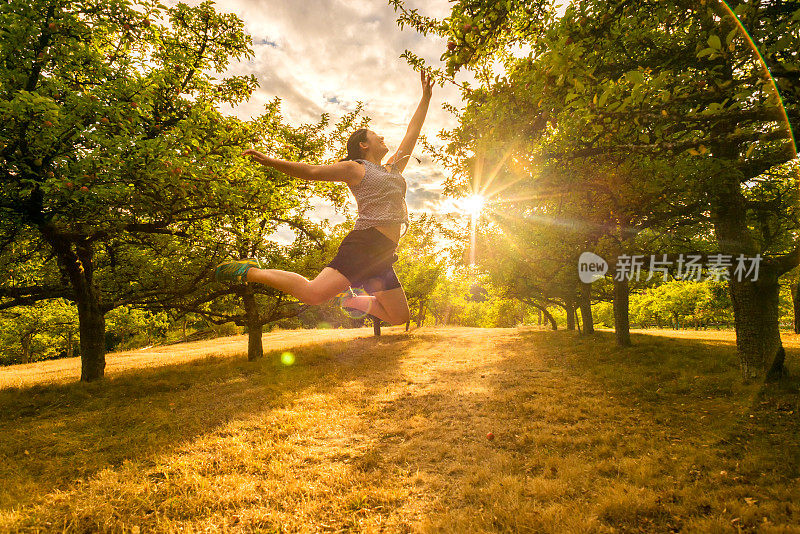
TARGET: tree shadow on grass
(53,435)
(724,435)
(584,431)
(689,381)
(587,435)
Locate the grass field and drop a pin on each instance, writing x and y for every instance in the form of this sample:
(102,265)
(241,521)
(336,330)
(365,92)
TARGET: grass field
(389,434)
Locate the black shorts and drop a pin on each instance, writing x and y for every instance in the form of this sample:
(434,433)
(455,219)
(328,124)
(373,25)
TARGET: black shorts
(365,258)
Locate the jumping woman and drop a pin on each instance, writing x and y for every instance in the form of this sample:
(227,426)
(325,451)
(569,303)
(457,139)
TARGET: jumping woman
(366,255)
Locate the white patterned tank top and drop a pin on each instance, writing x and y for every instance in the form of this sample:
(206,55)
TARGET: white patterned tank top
(381,197)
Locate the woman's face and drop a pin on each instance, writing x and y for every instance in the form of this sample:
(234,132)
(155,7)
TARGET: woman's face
(375,144)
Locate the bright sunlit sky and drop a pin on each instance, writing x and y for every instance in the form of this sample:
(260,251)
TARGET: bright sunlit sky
(324,55)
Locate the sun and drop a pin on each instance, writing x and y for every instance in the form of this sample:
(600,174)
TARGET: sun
(473,205)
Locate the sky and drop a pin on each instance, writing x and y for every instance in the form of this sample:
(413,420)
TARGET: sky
(323,56)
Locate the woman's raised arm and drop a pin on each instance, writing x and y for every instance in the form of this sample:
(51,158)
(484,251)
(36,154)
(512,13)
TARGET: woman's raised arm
(400,158)
(342,171)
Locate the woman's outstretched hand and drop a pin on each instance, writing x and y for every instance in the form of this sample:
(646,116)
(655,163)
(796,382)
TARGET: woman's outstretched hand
(427,84)
(256,155)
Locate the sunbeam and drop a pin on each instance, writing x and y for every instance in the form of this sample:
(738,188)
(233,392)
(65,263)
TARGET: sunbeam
(473,205)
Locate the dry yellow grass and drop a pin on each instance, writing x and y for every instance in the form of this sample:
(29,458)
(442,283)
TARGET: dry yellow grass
(390,435)
(68,370)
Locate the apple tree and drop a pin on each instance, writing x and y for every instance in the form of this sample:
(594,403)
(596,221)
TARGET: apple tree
(110,142)
(673,81)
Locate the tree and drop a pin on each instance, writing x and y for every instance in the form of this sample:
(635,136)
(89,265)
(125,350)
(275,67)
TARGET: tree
(109,140)
(670,80)
(125,322)
(420,267)
(37,332)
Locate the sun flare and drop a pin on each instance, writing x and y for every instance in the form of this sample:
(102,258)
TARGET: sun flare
(473,205)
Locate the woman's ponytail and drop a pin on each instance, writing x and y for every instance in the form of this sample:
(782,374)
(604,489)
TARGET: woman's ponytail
(354,150)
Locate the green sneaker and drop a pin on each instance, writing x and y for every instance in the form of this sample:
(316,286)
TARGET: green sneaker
(235,271)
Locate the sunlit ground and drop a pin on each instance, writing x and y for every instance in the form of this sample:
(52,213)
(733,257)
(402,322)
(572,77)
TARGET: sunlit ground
(392,434)
(67,370)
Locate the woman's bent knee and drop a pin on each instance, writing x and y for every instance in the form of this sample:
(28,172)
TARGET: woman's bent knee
(315,299)
(401,319)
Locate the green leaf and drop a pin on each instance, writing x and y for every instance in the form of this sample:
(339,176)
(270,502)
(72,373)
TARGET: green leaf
(604,97)
(731,35)
(634,76)
(714,42)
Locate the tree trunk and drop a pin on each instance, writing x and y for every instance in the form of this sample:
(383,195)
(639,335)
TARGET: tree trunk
(92,326)
(796,305)
(376,325)
(78,267)
(26,346)
(569,306)
(69,345)
(553,324)
(408,325)
(755,302)
(756,316)
(586,309)
(543,310)
(255,349)
(622,327)
(539,322)
(184,327)
(420,314)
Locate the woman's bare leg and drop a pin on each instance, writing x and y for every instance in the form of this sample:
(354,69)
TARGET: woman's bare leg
(325,286)
(389,305)
(328,283)
(395,303)
(370,305)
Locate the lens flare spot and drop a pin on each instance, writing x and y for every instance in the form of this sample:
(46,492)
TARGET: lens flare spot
(355,313)
(287,358)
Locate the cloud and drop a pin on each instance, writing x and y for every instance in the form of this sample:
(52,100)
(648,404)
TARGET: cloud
(322,56)
(421,199)
(337,47)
